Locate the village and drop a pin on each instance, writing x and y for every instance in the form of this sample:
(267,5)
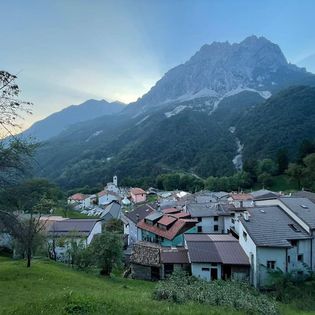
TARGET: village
(210,235)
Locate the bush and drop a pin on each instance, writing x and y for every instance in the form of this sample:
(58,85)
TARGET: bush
(181,288)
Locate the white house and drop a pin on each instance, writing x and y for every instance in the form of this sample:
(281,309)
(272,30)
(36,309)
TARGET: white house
(106,197)
(215,256)
(77,198)
(272,240)
(62,232)
(210,217)
(130,220)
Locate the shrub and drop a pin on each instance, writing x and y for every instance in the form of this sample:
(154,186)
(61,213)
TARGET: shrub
(181,288)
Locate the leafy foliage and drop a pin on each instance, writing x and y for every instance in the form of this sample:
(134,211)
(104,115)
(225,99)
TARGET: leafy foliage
(181,288)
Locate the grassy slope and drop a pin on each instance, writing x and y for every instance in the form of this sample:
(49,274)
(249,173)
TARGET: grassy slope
(51,288)
(55,289)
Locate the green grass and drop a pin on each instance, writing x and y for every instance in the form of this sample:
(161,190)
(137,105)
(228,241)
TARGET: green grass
(52,288)
(55,289)
(72,214)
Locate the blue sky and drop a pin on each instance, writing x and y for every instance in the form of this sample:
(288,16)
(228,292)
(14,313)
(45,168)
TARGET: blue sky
(68,51)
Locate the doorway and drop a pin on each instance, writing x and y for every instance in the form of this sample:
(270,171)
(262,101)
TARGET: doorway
(214,274)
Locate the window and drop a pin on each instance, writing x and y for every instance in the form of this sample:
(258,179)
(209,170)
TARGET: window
(300,257)
(199,229)
(233,221)
(215,218)
(271,264)
(289,259)
(205,269)
(216,227)
(293,243)
(245,235)
(199,219)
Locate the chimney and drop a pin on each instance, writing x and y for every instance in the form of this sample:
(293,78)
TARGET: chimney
(138,217)
(246,215)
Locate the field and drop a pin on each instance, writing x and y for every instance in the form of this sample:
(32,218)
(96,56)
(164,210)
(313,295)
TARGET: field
(52,288)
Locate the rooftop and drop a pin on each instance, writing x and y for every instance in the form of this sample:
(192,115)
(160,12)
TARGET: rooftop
(137,191)
(303,208)
(271,227)
(208,248)
(178,226)
(77,197)
(176,255)
(80,226)
(241,196)
(140,212)
(205,210)
(264,194)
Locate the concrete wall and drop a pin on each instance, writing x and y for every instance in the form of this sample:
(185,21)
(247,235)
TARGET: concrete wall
(249,247)
(138,198)
(207,224)
(196,270)
(97,229)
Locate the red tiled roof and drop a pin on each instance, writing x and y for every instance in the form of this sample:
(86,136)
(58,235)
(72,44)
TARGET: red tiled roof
(170,210)
(166,220)
(77,197)
(178,227)
(137,191)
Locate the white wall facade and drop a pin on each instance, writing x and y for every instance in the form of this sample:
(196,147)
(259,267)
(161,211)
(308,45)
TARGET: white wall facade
(196,270)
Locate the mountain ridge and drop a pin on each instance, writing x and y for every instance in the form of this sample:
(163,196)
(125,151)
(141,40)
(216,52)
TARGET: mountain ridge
(55,123)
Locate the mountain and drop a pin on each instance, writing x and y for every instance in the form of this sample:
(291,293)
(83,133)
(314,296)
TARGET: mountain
(204,117)
(222,69)
(54,124)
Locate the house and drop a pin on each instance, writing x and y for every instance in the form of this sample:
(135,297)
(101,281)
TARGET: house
(138,195)
(62,232)
(77,198)
(264,194)
(215,256)
(241,200)
(305,194)
(106,197)
(149,261)
(165,229)
(131,219)
(210,217)
(112,211)
(90,201)
(273,240)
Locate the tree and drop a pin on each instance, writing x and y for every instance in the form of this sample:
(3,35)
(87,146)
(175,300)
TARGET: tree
(251,167)
(114,225)
(296,172)
(265,179)
(107,250)
(282,160)
(267,166)
(309,171)
(307,147)
(14,153)
(11,106)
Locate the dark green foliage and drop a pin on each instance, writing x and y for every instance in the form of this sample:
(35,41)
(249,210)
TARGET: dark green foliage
(106,250)
(114,225)
(307,147)
(32,195)
(236,182)
(283,121)
(282,160)
(293,288)
(180,288)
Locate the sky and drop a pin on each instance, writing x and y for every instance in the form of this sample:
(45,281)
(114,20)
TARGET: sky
(67,51)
